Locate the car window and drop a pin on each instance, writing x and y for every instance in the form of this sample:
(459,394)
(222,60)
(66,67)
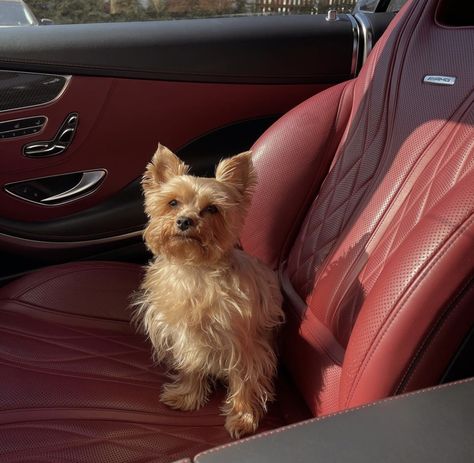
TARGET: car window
(367,6)
(87,11)
(14,13)
(395,5)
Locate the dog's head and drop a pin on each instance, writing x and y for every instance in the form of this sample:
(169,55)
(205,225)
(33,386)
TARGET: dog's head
(195,219)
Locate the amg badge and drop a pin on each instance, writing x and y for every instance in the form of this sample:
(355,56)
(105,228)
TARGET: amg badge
(439,80)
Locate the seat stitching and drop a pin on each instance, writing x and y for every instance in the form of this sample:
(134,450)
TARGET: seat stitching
(117,380)
(405,209)
(60,273)
(91,440)
(412,202)
(408,205)
(317,228)
(47,311)
(375,173)
(311,191)
(388,95)
(112,410)
(74,348)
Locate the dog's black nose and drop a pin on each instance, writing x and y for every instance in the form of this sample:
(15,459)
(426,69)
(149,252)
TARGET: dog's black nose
(184,223)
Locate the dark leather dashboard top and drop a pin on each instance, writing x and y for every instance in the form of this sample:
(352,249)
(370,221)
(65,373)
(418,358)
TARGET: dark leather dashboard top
(260,49)
(434,425)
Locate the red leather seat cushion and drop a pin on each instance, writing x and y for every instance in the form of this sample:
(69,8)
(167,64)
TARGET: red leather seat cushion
(78,381)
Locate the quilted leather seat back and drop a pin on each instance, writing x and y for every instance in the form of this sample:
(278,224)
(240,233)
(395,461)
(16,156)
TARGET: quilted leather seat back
(377,256)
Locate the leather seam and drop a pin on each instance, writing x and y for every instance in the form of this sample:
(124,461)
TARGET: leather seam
(96,409)
(407,181)
(374,176)
(89,379)
(403,300)
(306,223)
(53,312)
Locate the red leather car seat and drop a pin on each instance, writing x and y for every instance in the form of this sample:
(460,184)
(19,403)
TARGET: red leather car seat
(377,255)
(365,207)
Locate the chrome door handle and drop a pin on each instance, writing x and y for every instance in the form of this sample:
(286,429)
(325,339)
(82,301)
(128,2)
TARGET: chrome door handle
(57,189)
(87,182)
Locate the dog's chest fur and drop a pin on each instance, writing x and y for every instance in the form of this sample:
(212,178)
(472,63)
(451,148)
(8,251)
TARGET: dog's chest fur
(211,313)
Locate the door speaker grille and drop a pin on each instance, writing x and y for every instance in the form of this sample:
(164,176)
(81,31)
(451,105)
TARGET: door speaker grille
(25,89)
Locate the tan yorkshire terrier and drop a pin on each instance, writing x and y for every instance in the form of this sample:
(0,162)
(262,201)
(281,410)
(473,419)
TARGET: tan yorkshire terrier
(210,310)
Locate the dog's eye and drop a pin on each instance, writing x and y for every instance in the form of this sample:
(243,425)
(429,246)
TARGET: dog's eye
(173,203)
(211,209)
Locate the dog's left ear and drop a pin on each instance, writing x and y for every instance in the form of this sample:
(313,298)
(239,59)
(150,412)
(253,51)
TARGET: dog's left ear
(164,166)
(238,171)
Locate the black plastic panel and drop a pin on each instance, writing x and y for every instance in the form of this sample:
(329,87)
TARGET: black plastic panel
(462,366)
(455,14)
(20,127)
(260,49)
(25,89)
(204,153)
(378,23)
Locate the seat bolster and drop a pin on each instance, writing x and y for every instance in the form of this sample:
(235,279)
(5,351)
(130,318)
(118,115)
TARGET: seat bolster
(286,183)
(424,288)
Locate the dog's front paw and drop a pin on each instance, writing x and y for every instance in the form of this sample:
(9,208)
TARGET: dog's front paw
(181,398)
(240,424)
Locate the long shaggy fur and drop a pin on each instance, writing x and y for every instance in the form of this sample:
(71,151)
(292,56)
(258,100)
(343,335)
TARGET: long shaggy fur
(210,310)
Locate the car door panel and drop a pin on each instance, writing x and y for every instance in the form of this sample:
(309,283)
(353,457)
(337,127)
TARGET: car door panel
(205,88)
(120,123)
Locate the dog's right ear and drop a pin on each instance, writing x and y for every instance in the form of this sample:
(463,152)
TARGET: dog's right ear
(163,166)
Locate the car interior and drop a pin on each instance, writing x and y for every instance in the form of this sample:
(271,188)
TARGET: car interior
(361,128)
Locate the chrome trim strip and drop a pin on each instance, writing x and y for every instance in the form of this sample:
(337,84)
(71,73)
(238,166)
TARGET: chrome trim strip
(38,146)
(43,150)
(9,239)
(59,95)
(367,36)
(38,203)
(355,45)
